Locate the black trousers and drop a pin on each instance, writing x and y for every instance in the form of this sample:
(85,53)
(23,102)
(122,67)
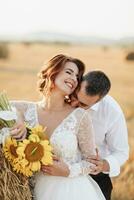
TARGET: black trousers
(105,184)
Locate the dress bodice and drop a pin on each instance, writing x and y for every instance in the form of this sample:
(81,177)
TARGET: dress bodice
(72,140)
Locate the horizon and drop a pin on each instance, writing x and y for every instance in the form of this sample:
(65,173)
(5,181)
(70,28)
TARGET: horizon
(65,34)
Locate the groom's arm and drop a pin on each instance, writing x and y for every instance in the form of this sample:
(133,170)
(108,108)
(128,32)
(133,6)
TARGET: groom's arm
(117,143)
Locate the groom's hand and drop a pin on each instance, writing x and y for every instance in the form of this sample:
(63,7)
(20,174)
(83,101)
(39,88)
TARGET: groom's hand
(59,168)
(100,165)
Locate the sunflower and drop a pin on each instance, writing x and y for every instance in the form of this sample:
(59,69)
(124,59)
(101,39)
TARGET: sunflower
(33,153)
(10,148)
(10,152)
(26,171)
(40,131)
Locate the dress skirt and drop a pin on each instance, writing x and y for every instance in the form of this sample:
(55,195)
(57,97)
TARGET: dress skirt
(65,188)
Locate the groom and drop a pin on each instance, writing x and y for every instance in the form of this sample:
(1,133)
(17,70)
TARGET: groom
(110,131)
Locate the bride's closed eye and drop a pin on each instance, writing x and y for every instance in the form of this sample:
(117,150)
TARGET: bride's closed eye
(68,72)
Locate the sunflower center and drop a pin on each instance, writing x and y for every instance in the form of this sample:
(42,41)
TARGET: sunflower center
(34,152)
(13,150)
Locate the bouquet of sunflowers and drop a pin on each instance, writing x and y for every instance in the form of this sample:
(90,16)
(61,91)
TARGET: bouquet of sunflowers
(19,159)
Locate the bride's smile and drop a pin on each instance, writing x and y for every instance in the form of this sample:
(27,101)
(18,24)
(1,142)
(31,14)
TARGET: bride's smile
(67,79)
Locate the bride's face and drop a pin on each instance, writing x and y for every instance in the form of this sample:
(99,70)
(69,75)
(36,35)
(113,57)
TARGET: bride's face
(67,79)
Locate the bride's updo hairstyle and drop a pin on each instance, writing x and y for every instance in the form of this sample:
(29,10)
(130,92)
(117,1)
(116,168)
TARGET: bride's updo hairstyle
(51,69)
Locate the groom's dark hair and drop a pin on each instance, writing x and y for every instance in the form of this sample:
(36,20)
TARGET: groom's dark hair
(98,83)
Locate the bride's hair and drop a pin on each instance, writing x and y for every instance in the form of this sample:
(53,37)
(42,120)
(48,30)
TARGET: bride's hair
(50,70)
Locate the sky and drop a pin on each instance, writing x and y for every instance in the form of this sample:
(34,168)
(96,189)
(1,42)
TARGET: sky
(105,18)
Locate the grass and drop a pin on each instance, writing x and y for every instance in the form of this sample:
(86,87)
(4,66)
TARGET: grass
(18,78)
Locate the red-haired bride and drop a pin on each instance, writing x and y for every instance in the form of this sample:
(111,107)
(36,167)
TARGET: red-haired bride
(69,130)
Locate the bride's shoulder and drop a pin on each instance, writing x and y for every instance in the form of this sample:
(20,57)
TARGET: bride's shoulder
(22,104)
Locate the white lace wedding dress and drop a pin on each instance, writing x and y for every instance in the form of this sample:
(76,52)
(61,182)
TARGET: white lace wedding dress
(73,142)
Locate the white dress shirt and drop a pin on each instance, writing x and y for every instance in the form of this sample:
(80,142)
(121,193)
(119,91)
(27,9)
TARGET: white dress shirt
(110,133)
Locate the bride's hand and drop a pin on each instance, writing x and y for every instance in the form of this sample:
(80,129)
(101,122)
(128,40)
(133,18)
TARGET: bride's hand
(18,131)
(59,168)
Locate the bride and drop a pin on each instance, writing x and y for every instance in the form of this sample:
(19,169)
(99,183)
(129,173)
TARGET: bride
(69,130)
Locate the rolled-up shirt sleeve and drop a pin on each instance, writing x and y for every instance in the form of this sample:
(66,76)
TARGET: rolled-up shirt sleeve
(117,143)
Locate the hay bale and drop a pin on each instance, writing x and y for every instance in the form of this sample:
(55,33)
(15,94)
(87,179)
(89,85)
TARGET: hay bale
(4,52)
(130,56)
(13,186)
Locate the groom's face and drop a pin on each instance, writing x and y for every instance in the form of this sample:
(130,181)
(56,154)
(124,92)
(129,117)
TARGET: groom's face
(86,101)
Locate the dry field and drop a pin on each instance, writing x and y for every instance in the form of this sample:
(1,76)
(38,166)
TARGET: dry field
(18,78)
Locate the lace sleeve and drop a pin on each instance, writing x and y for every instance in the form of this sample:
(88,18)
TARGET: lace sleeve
(86,142)
(86,139)
(21,107)
(27,111)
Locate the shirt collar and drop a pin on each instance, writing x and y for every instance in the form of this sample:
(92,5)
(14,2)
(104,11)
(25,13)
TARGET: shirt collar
(95,107)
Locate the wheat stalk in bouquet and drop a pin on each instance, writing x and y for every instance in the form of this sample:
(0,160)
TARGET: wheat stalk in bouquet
(5,106)
(13,186)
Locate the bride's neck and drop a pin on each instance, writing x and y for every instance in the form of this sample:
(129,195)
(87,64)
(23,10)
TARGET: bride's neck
(55,102)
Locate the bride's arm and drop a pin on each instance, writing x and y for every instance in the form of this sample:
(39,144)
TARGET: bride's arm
(87,146)
(21,107)
(18,131)
(86,142)
(26,112)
